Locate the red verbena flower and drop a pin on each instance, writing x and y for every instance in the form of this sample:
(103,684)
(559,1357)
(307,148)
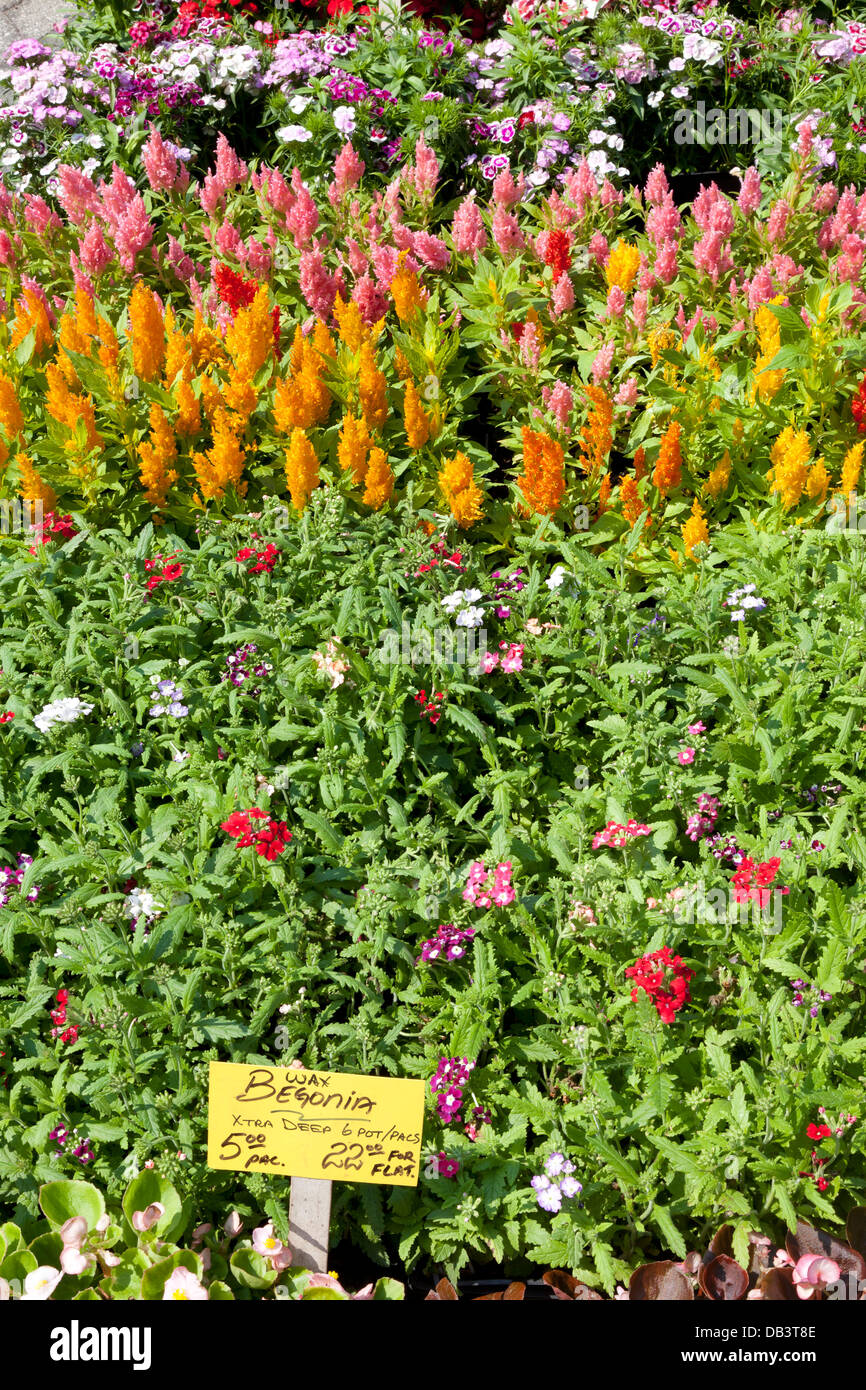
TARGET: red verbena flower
(665,978)
(819,1131)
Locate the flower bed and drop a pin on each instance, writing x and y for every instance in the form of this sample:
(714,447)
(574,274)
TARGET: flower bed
(431,577)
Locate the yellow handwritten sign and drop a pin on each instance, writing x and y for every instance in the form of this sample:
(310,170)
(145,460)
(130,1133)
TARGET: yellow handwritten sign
(315,1124)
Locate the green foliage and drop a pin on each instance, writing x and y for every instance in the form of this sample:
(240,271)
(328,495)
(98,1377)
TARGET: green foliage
(673,1128)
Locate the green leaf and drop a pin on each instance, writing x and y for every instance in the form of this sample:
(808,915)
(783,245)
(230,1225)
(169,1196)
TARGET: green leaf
(621,1169)
(665,1223)
(251,1269)
(60,1201)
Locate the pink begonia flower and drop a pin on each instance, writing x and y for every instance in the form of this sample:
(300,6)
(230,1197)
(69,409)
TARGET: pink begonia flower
(72,1261)
(812,1274)
(265,1242)
(109,1259)
(326,1281)
(102,1224)
(183,1286)
(40,1284)
(73,1231)
(233,1224)
(686,756)
(143,1220)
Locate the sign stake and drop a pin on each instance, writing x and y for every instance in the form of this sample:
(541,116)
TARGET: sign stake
(309,1223)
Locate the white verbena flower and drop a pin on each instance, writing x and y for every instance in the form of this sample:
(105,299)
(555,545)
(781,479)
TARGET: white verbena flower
(60,712)
(557,575)
(470,617)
